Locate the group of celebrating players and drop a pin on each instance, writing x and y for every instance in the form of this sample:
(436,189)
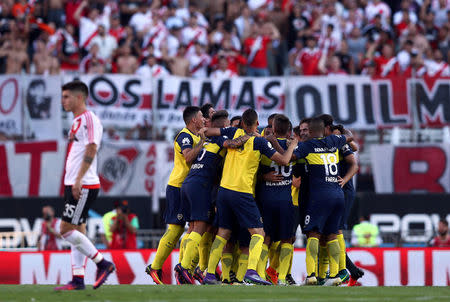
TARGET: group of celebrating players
(244,194)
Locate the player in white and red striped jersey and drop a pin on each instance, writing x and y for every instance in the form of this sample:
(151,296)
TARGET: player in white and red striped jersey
(151,69)
(199,61)
(81,185)
(193,33)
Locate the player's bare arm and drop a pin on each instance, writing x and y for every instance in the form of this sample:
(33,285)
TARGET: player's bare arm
(89,155)
(273,140)
(191,154)
(237,142)
(354,146)
(352,170)
(348,135)
(284,159)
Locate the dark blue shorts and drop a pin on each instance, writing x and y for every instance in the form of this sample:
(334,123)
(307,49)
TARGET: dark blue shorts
(349,196)
(237,207)
(324,212)
(175,213)
(278,219)
(196,197)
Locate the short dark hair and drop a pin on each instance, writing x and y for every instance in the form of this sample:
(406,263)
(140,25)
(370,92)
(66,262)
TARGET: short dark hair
(281,124)
(338,127)
(218,117)
(205,110)
(271,117)
(76,86)
(444,221)
(316,125)
(249,117)
(297,130)
(306,120)
(189,113)
(236,118)
(327,119)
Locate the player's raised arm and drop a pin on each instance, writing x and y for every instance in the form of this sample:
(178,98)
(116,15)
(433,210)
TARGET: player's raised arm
(212,132)
(284,159)
(88,158)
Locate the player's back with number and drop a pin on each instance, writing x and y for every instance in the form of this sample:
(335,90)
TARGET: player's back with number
(322,158)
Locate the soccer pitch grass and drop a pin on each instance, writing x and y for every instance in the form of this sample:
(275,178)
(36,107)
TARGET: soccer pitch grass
(112,293)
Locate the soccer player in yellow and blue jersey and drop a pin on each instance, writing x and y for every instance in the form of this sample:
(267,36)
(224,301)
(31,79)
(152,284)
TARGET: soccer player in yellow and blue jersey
(348,167)
(326,198)
(235,200)
(197,191)
(277,206)
(187,145)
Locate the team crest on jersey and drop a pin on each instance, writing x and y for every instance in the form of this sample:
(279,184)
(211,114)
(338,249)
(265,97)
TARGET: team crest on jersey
(269,145)
(186,141)
(180,217)
(116,167)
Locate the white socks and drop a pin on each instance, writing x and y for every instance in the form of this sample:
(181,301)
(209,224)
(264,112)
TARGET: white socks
(78,262)
(80,242)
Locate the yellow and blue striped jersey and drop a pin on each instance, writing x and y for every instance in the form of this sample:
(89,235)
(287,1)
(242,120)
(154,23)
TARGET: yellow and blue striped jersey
(207,165)
(322,157)
(241,164)
(185,139)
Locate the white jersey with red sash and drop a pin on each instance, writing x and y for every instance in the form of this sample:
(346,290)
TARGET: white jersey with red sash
(190,35)
(88,30)
(155,35)
(154,71)
(198,65)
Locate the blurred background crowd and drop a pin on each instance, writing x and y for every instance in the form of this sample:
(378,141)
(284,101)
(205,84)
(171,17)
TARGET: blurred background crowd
(224,38)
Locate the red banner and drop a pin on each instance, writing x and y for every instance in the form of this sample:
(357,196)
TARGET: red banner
(382,267)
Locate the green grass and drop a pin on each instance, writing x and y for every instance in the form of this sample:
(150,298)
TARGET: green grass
(36,293)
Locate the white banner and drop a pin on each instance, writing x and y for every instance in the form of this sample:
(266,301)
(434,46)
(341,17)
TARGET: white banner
(42,97)
(173,94)
(411,168)
(357,102)
(125,168)
(119,100)
(10,105)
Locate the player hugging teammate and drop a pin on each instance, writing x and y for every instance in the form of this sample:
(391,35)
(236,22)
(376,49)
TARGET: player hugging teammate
(244,195)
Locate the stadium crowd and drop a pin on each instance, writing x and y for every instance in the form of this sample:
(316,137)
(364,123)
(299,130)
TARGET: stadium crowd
(225,38)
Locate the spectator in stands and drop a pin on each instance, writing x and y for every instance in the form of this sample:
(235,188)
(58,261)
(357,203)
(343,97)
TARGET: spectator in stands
(49,239)
(255,47)
(151,69)
(107,222)
(223,72)
(199,61)
(124,227)
(356,46)
(307,62)
(107,43)
(443,237)
(178,64)
(16,58)
(44,63)
(365,234)
(127,63)
(92,63)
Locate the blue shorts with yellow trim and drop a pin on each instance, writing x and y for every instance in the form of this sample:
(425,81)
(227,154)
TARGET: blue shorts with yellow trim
(175,212)
(324,212)
(196,196)
(237,207)
(278,217)
(349,196)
